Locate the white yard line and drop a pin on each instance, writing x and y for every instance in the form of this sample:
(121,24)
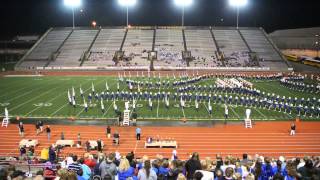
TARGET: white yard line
(52,99)
(235,112)
(264,116)
(32,99)
(28,92)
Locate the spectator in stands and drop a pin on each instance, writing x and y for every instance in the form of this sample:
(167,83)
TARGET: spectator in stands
(108,132)
(307,170)
(30,151)
(279,168)
(107,167)
(62,136)
(206,170)
(146,173)
(125,170)
(21,129)
(174,170)
(75,166)
(181,177)
(87,143)
(244,160)
(52,155)
(278,176)
(4,174)
(198,175)
(116,138)
(229,173)
(41,125)
(37,128)
(164,169)
(17,175)
(258,171)
(85,169)
(192,165)
(99,145)
(250,176)
(44,156)
(130,157)
(48,130)
(23,151)
(267,168)
(39,175)
(78,140)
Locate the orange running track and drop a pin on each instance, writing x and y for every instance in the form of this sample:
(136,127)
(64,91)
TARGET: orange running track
(265,138)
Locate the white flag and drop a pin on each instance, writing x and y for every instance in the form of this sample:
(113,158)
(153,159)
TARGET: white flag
(73,102)
(73,92)
(85,103)
(107,87)
(118,86)
(81,92)
(196,104)
(102,105)
(150,102)
(138,87)
(115,107)
(6,113)
(92,87)
(69,96)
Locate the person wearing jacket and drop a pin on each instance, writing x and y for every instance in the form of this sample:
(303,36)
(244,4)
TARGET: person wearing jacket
(107,167)
(125,170)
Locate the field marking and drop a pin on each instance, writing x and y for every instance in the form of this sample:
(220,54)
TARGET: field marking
(256,109)
(235,113)
(43,106)
(46,92)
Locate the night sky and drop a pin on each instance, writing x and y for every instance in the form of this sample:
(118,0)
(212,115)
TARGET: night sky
(25,17)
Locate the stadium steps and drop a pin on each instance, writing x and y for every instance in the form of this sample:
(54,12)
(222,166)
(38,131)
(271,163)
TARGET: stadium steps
(56,54)
(30,50)
(87,53)
(184,41)
(124,39)
(154,38)
(275,48)
(215,41)
(244,40)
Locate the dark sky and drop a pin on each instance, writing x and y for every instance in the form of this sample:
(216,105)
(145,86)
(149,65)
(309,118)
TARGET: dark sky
(21,17)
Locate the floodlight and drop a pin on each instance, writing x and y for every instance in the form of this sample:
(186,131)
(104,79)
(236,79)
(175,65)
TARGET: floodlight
(183,2)
(238,3)
(127,2)
(72,3)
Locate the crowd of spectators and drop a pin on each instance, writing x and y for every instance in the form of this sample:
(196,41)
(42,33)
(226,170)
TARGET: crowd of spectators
(113,166)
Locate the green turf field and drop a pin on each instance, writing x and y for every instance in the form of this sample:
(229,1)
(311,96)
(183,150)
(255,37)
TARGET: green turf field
(46,97)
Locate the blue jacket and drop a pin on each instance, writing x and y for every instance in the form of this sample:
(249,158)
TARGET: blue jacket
(124,175)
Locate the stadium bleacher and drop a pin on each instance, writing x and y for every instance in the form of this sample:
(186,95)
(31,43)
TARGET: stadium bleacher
(74,47)
(104,48)
(100,46)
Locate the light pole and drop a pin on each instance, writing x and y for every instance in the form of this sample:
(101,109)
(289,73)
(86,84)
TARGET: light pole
(127,3)
(73,4)
(183,4)
(238,4)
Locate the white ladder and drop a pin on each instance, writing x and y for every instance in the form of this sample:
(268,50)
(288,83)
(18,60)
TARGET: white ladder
(126,118)
(5,122)
(248,123)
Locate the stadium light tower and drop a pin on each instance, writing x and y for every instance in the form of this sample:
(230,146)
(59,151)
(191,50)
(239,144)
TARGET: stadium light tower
(183,4)
(127,3)
(238,4)
(73,4)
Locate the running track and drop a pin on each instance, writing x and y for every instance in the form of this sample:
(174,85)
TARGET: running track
(266,138)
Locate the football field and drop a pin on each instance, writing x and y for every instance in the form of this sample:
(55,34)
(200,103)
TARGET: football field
(46,97)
